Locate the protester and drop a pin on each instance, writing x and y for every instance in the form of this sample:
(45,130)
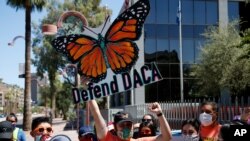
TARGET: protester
(244,118)
(190,130)
(210,128)
(124,125)
(18,134)
(147,129)
(6,131)
(147,118)
(86,133)
(41,129)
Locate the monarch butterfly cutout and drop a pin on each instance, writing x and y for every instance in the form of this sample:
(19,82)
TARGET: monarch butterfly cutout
(116,50)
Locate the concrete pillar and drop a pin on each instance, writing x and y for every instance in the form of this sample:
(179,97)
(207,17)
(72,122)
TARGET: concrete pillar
(223,13)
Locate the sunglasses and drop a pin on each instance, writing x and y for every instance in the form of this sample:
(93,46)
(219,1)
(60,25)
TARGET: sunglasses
(146,120)
(49,129)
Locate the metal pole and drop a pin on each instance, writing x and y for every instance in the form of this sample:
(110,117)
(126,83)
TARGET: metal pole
(77,105)
(180,41)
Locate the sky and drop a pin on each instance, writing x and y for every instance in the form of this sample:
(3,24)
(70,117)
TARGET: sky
(12,24)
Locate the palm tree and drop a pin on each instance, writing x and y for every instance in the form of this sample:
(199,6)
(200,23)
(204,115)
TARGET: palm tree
(29,6)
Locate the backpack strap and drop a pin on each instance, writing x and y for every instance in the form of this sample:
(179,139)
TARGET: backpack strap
(15,134)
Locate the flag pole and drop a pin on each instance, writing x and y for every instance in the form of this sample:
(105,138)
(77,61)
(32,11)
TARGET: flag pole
(180,46)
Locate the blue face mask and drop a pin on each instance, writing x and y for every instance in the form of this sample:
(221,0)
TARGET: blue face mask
(125,134)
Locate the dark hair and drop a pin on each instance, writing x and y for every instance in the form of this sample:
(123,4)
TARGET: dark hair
(213,104)
(153,119)
(150,126)
(10,116)
(194,122)
(38,121)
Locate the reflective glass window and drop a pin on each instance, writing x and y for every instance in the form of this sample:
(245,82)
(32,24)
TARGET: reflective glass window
(233,10)
(149,30)
(211,12)
(199,12)
(188,51)
(162,11)
(173,31)
(174,51)
(150,46)
(151,18)
(150,50)
(162,30)
(173,7)
(162,50)
(199,30)
(164,69)
(162,45)
(187,12)
(187,31)
(175,70)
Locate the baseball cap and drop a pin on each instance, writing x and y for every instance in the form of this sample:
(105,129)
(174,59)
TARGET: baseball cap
(84,130)
(60,137)
(6,130)
(121,117)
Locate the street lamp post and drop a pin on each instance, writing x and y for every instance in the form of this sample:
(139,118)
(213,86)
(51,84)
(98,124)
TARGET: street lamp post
(49,29)
(11,43)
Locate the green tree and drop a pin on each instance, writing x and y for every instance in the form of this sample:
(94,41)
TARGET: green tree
(28,5)
(219,65)
(64,99)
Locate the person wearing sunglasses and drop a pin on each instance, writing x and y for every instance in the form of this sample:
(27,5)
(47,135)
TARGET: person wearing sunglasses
(147,119)
(210,127)
(146,129)
(41,129)
(18,134)
(124,125)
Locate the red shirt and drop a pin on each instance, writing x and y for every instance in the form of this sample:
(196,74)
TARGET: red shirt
(210,133)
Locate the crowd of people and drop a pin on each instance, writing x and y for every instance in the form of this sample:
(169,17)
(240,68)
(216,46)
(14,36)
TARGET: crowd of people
(203,128)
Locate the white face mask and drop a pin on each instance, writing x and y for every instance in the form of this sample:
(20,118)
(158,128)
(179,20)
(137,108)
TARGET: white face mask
(190,137)
(205,119)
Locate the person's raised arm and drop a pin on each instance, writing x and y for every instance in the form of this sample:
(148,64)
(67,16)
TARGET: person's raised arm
(101,128)
(164,126)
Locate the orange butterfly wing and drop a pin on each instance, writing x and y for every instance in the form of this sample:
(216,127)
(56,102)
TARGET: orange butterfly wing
(122,52)
(85,50)
(117,47)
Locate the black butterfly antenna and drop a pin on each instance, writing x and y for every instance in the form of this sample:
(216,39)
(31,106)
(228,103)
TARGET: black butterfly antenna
(107,19)
(89,29)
